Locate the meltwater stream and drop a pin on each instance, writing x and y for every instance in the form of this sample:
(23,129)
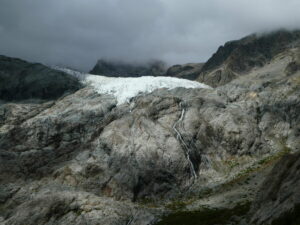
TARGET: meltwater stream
(180,138)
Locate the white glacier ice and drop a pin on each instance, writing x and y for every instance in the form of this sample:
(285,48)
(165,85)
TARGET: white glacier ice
(125,88)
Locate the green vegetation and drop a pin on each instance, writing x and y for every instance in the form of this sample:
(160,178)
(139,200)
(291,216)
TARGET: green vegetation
(241,176)
(208,216)
(232,163)
(275,157)
(177,205)
(205,216)
(263,163)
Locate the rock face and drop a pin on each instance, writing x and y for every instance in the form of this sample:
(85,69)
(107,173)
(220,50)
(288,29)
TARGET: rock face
(236,58)
(83,159)
(187,71)
(121,69)
(20,80)
(278,201)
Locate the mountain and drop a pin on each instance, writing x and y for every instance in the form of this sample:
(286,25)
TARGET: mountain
(236,58)
(122,69)
(188,71)
(20,80)
(172,152)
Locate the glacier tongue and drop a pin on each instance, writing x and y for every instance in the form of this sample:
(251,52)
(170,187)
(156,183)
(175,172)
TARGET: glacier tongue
(126,88)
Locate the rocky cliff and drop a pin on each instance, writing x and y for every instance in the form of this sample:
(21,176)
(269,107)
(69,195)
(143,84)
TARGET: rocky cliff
(85,159)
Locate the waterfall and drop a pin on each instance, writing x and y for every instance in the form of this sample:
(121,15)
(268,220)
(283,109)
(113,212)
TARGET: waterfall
(180,138)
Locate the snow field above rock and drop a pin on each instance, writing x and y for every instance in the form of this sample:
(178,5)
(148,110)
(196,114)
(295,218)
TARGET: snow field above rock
(125,88)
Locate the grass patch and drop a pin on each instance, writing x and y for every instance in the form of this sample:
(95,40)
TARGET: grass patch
(176,205)
(261,164)
(205,216)
(232,163)
(243,175)
(148,202)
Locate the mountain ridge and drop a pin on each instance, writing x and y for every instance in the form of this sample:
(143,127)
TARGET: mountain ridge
(122,69)
(238,57)
(21,80)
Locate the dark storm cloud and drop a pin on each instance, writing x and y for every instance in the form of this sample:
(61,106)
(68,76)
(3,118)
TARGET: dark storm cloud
(78,32)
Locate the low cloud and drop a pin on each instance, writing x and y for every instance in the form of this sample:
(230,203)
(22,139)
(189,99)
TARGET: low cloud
(76,33)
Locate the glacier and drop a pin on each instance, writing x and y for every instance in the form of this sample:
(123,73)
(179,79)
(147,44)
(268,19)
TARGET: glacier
(126,88)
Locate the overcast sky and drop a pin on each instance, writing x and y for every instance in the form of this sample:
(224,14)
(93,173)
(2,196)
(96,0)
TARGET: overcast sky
(78,32)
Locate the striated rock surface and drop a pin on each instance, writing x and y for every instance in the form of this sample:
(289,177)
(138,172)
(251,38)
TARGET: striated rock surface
(84,159)
(278,201)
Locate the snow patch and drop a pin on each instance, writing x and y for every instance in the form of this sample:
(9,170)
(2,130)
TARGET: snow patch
(125,88)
